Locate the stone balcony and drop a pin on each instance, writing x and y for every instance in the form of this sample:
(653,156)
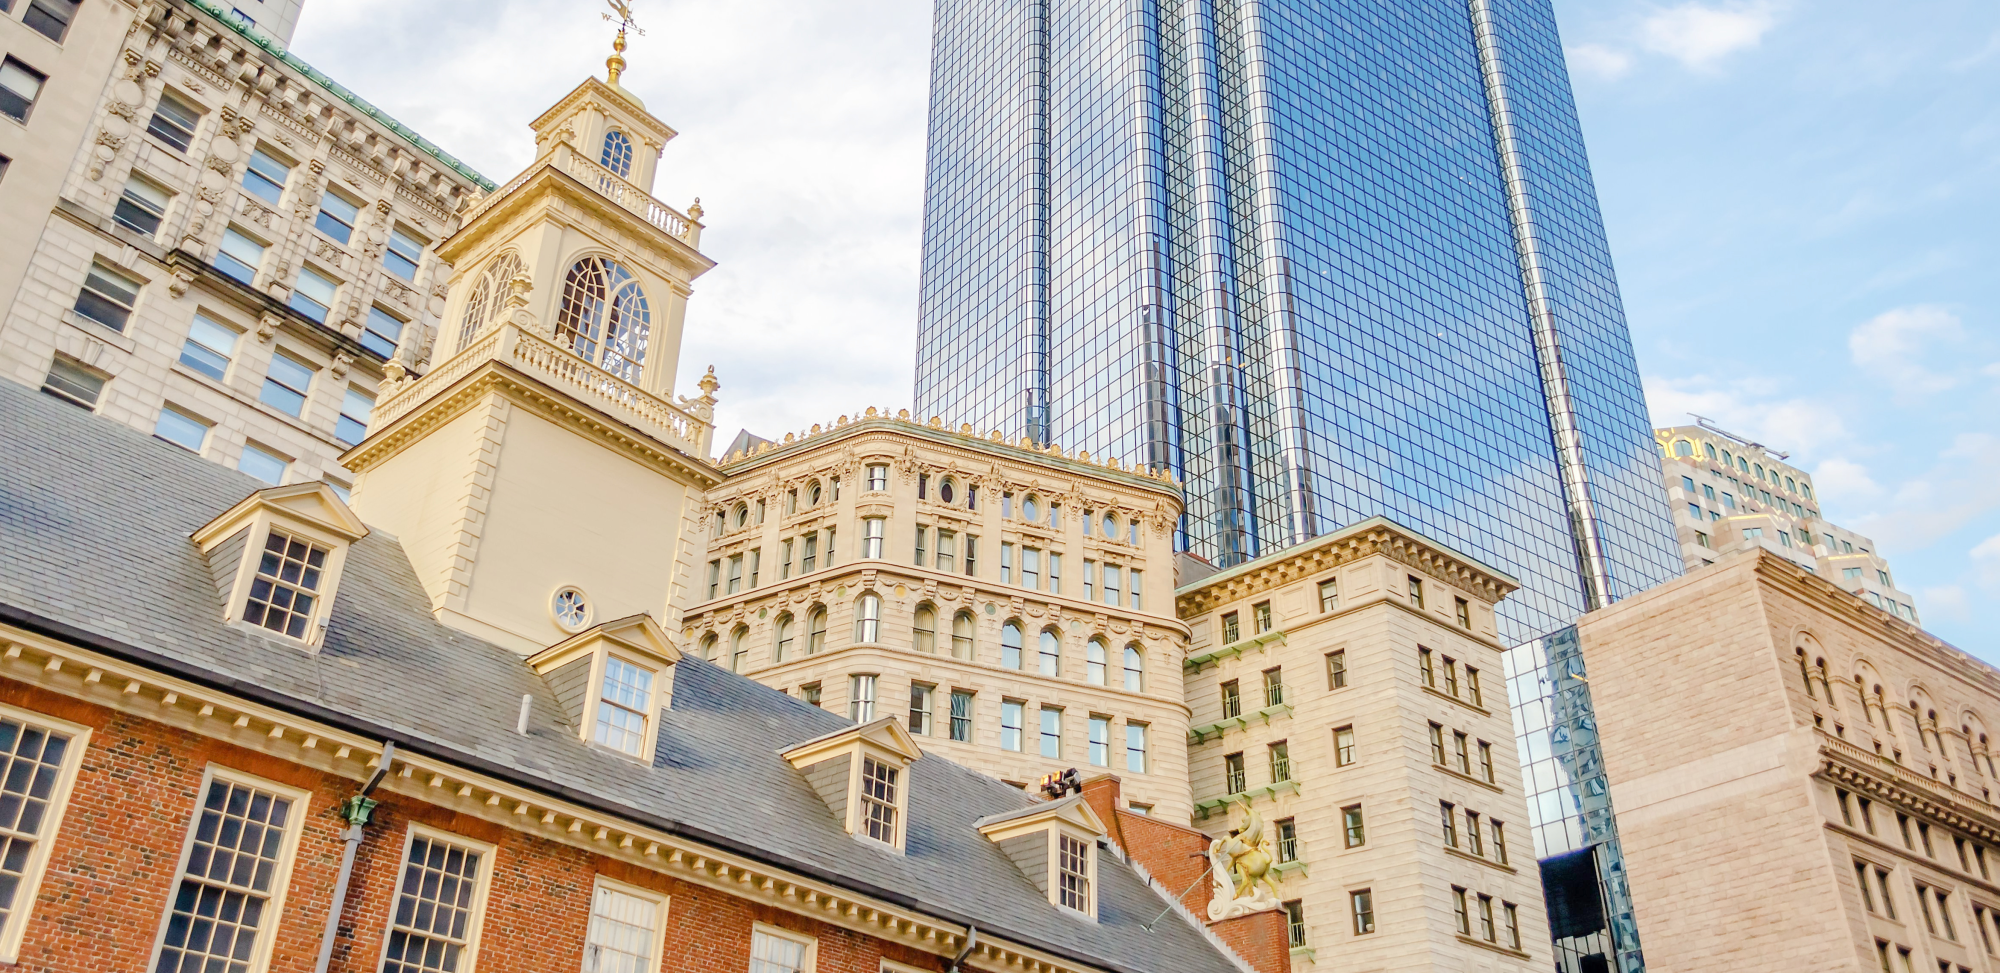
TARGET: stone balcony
(566,159)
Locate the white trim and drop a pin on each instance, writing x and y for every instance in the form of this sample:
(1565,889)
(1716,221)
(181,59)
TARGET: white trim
(776,932)
(476,923)
(281,876)
(891,966)
(660,902)
(31,876)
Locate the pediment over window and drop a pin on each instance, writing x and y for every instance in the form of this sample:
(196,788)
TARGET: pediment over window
(1055,846)
(862,773)
(276,557)
(611,681)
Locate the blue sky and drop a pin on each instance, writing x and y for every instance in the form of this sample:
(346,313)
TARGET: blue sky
(1801,198)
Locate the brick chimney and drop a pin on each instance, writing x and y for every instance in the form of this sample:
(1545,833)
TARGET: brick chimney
(1177,858)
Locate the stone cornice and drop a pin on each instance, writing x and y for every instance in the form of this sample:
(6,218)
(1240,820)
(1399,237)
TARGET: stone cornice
(591,88)
(1374,536)
(543,182)
(1861,772)
(1848,608)
(425,770)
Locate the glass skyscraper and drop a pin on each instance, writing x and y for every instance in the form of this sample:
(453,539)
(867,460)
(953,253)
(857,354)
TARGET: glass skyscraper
(1325,260)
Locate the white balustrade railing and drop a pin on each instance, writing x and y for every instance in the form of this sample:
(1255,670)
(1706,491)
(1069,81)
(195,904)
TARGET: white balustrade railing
(673,221)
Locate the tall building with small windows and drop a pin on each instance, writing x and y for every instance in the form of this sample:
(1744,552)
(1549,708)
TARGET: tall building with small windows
(1012,606)
(1731,494)
(215,243)
(1804,781)
(1349,693)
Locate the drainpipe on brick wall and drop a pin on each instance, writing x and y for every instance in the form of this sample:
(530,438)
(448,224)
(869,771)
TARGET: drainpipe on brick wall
(356,810)
(971,940)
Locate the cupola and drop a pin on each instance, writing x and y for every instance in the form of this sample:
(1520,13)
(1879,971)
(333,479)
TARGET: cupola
(862,773)
(277,557)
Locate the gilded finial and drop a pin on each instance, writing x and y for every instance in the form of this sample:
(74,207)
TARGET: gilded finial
(694,212)
(708,385)
(615,64)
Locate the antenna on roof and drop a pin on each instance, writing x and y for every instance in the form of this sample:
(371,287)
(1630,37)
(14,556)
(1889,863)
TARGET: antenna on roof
(1710,425)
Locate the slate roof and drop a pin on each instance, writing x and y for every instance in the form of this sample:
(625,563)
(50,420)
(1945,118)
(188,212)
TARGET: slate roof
(94,548)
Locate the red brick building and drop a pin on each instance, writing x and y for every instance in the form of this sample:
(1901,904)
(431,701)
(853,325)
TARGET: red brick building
(182,774)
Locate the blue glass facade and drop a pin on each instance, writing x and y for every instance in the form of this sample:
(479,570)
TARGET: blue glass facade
(1324,259)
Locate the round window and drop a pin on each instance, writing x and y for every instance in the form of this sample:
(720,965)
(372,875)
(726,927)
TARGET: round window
(946,491)
(812,494)
(1030,510)
(571,608)
(742,516)
(1110,527)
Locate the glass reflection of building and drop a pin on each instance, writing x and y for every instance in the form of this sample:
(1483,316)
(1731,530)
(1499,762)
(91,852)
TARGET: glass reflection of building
(1324,259)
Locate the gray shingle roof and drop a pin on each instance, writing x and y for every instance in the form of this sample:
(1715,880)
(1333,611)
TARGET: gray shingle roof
(94,525)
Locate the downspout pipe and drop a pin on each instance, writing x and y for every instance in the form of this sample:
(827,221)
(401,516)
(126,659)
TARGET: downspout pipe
(971,942)
(356,811)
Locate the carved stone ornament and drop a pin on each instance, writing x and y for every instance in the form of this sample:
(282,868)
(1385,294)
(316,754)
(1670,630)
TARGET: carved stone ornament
(341,362)
(267,327)
(325,250)
(219,164)
(182,279)
(1240,866)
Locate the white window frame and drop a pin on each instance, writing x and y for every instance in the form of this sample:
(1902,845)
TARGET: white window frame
(38,861)
(260,528)
(660,901)
(474,926)
(647,732)
(1056,834)
(281,877)
(811,943)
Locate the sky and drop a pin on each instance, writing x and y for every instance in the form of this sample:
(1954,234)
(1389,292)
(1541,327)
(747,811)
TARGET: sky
(1801,195)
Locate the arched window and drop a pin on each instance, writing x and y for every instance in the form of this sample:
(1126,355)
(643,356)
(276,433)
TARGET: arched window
(1094,659)
(781,643)
(923,629)
(1051,654)
(488,296)
(708,647)
(1683,448)
(742,515)
(1135,670)
(1805,674)
(739,650)
(1710,447)
(816,631)
(868,618)
(604,317)
(812,494)
(1010,645)
(961,636)
(617,155)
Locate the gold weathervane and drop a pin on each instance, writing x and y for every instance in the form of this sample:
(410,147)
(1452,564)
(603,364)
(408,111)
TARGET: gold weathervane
(615,64)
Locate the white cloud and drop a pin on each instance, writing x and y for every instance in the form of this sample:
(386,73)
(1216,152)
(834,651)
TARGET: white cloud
(1746,406)
(1891,346)
(1962,486)
(1599,61)
(1698,35)
(1944,601)
(1846,479)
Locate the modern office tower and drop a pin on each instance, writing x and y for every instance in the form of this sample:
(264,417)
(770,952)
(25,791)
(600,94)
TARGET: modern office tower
(210,240)
(1728,493)
(1325,262)
(1348,692)
(1015,608)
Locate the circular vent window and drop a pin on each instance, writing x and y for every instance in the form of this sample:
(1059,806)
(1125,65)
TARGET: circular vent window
(571,608)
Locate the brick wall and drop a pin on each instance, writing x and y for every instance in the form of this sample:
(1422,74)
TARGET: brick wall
(112,868)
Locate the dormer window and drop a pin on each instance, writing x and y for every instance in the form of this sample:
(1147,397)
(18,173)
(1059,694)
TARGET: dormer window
(1055,846)
(611,681)
(862,774)
(276,558)
(1073,866)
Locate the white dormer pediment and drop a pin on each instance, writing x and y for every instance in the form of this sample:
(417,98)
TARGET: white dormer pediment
(1054,844)
(277,557)
(611,682)
(862,773)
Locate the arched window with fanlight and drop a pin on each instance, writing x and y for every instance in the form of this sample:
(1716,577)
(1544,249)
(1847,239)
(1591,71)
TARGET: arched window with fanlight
(489,295)
(961,636)
(617,155)
(781,648)
(1135,669)
(604,317)
(1010,645)
(816,630)
(868,618)
(923,629)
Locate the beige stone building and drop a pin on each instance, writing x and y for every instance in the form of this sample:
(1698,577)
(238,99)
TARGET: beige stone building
(1349,691)
(211,240)
(1802,782)
(1011,604)
(1728,494)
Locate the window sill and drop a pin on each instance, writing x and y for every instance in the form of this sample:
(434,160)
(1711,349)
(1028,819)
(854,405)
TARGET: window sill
(1286,868)
(1495,947)
(1256,643)
(102,332)
(1468,778)
(1306,953)
(1441,694)
(1197,735)
(1488,862)
(1209,806)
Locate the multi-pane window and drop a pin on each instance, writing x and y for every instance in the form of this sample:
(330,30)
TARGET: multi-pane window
(233,867)
(947,551)
(174,121)
(71,382)
(141,206)
(1233,779)
(1353,830)
(1288,840)
(239,256)
(920,708)
(286,385)
(1135,747)
(1051,731)
(872,529)
(961,716)
(1437,744)
(1460,911)
(1450,676)
(1232,699)
(1231,628)
(878,800)
(1010,645)
(1472,691)
(286,588)
(107,297)
(809,554)
(337,216)
(209,347)
(1343,746)
(1329,595)
(1112,585)
(1100,740)
(312,296)
(961,636)
(1336,670)
(1448,814)
(1050,655)
(624,932)
(403,254)
(20,85)
(878,477)
(1094,663)
(815,631)
(381,333)
(735,574)
(356,408)
(1464,612)
(923,629)
(1281,761)
(1511,913)
(435,917)
(1459,749)
(1295,923)
(266,176)
(1486,761)
(50,17)
(624,706)
(1031,568)
(1274,687)
(263,464)
(1427,666)
(1010,725)
(1416,592)
(771,953)
(1486,930)
(31,767)
(1073,865)
(1499,842)
(1260,616)
(1135,670)
(861,698)
(1362,903)
(1475,837)
(181,429)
